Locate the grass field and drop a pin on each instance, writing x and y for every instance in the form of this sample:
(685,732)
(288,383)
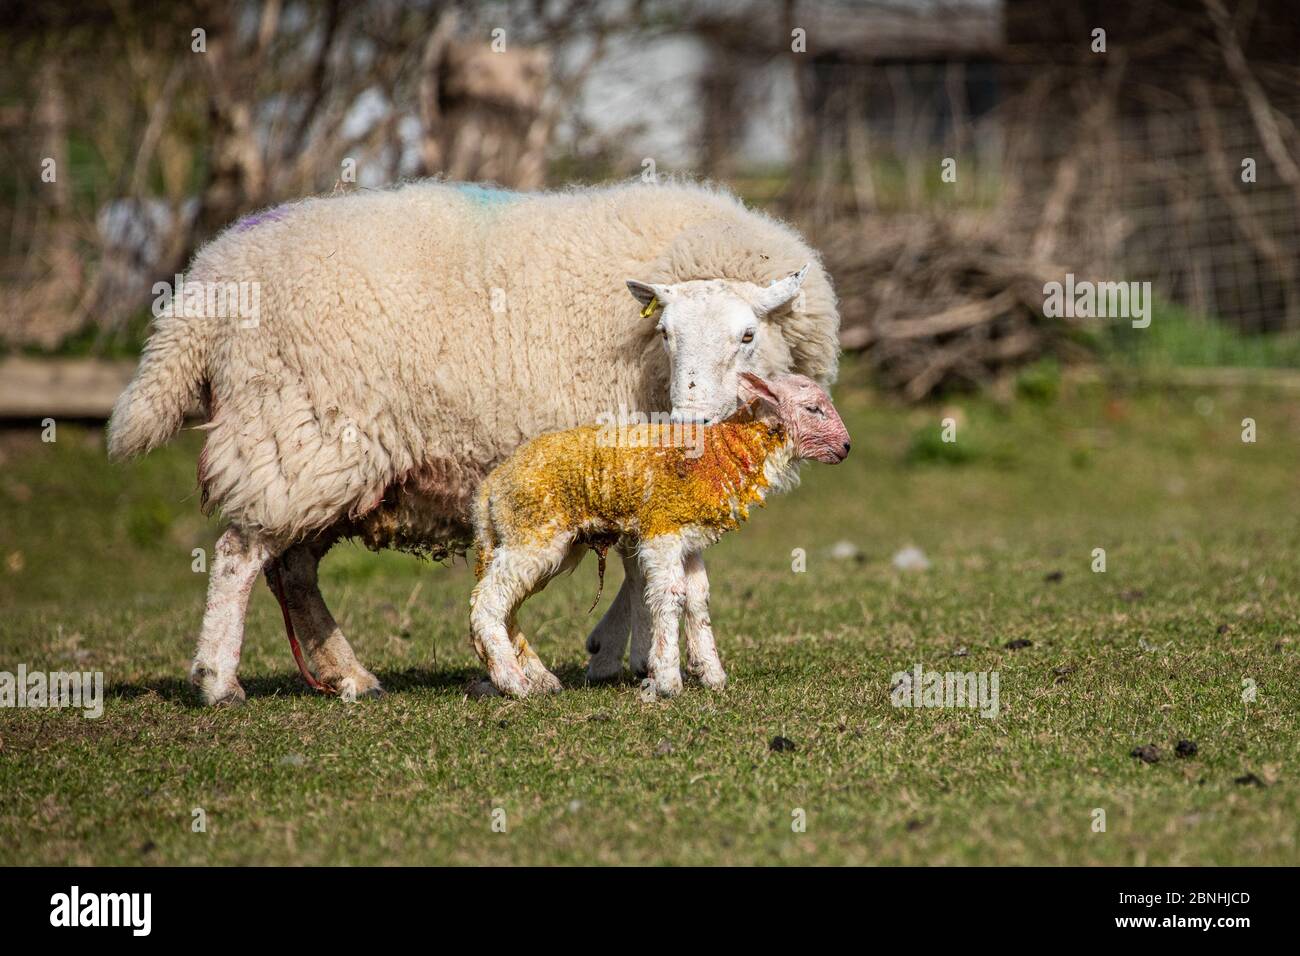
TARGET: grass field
(1201,533)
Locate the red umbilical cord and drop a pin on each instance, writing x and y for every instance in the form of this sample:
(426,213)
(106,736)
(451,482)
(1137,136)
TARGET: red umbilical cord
(273,578)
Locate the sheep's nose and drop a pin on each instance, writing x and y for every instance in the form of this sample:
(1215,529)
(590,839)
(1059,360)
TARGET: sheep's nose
(846,448)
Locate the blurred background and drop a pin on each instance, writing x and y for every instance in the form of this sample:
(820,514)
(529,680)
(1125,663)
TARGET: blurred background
(947,158)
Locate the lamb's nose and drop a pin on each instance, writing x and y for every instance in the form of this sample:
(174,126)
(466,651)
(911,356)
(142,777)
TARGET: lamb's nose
(846,448)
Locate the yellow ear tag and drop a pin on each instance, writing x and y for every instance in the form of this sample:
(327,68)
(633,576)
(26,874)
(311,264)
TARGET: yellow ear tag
(650,307)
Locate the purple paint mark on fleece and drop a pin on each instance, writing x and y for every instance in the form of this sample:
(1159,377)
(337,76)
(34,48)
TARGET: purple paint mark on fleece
(256,219)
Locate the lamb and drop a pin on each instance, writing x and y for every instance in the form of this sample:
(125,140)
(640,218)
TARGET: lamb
(409,339)
(560,494)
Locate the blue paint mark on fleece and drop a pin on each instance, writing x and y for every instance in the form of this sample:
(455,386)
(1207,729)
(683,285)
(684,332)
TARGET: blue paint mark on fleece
(274,214)
(486,196)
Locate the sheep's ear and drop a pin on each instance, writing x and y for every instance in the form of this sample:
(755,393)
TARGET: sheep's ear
(647,292)
(781,291)
(754,389)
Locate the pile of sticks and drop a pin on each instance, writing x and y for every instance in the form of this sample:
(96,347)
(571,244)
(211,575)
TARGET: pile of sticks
(937,305)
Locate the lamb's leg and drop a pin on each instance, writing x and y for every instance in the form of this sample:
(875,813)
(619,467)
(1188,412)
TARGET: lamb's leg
(328,651)
(512,575)
(540,680)
(662,563)
(701,652)
(237,560)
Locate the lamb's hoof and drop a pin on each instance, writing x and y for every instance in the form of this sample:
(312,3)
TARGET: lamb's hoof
(656,688)
(510,680)
(713,678)
(215,692)
(542,681)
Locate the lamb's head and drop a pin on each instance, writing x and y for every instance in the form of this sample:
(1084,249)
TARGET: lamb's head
(713,330)
(805,409)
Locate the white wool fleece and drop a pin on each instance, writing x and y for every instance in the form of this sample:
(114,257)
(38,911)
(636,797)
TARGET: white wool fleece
(410,338)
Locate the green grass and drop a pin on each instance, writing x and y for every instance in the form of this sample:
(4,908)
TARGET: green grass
(1180,338)
(1201,535)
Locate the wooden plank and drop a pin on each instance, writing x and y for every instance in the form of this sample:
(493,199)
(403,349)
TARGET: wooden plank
(61,388)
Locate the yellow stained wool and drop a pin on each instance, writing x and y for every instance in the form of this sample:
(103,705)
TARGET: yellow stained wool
(578,479)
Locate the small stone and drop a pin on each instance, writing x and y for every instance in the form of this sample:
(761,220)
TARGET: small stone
(911,559)
(845,550)
(961,651)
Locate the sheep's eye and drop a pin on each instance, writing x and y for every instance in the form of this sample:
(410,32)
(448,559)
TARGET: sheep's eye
(664,332)
(815,409)
(747,337)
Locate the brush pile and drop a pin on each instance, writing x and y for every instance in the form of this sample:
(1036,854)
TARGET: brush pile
(938,305)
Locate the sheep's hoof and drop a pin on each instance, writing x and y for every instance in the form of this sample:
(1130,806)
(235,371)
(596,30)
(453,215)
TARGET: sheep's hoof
(481,688)
(234,697)
(600,671)
(214,692)
(352,689)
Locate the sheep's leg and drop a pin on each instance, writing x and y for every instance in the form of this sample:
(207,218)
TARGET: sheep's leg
(328,651)
(513,574)
(237,560)
(701,652)
(662,563)
(642,626)
(608,640)
(540,680)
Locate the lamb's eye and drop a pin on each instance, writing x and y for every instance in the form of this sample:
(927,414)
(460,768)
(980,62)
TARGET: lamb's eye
(815,409)
(664,332)
(747,337)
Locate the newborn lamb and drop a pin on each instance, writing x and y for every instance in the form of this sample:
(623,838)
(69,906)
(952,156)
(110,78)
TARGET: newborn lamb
(562,493)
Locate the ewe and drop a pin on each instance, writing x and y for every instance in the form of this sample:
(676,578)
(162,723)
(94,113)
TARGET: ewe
(562,493)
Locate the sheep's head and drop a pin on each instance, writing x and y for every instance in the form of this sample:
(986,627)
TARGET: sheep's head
(805,409)
(715,329)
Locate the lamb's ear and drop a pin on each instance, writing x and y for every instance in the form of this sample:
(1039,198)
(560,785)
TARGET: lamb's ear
(754,389)
(781,291)
(647,292)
